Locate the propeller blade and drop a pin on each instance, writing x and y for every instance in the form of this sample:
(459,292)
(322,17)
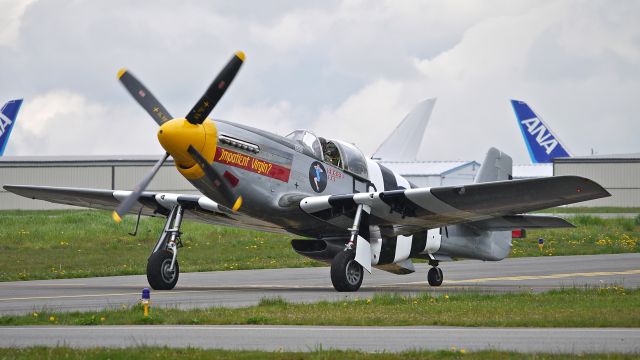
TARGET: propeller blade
(208,101)
(144,97)
(218,181)
(126,205)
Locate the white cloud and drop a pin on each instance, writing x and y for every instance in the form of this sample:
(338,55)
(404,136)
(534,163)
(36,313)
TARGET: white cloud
(497,59)
(278,118)
(347,69)
(291,30)
(61,122)
(366,117)
(11,12)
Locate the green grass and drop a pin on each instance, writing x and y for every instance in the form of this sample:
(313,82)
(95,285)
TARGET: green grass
(611,306)
(84,243)
(590,210)
(160,353)
(592,235)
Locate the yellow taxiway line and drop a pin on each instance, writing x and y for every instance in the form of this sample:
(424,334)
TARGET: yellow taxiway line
(534,277)
(265,286)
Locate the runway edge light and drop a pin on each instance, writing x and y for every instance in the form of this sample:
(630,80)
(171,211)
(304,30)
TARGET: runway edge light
(146,300)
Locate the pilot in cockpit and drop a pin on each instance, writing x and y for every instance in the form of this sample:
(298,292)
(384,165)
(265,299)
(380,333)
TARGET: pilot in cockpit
(331,153)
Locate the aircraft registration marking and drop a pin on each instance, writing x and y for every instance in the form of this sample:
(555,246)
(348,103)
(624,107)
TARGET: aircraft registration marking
(250,163)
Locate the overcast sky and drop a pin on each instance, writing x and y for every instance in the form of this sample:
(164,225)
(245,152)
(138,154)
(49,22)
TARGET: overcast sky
(344,69)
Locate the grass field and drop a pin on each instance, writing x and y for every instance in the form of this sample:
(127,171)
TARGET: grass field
(83,243)
(592,235)
(67,244)
(158,353)
(610,306)
(590,210)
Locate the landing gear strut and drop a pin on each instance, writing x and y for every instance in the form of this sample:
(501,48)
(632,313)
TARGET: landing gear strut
(162,266)
(435,276)
(346,271)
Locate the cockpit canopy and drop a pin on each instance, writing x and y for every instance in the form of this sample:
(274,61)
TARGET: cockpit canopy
(336,152)
(307,139)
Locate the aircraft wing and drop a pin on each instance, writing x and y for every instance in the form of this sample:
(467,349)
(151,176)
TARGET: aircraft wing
(410,210)
(197,207)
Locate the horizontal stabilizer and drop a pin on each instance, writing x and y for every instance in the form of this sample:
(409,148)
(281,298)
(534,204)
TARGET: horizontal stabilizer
(511,222)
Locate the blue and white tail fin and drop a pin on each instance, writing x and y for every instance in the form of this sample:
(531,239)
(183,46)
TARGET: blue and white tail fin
(543,145)
(8,116)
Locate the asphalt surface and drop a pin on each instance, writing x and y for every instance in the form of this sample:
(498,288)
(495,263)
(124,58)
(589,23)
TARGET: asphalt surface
(243,288)
(309,338)
(248,287)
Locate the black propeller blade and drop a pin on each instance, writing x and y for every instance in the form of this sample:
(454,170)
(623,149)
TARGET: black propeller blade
(218,181)
(208,101)
(144,97)
(197,115)
(126,205)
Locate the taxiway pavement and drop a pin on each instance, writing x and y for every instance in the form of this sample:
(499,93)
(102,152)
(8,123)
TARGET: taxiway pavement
(310,338)
(248,287)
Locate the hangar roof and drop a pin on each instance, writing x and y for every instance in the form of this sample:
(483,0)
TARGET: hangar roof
(631,157)
(532,171)
(427,168)
(89,160)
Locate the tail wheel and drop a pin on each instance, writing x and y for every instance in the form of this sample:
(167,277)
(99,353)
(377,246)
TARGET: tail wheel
(346,273)
(159,273)
(435,276)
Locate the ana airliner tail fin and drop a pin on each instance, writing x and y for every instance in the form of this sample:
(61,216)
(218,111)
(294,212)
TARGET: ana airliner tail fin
(543,145)
(8,116)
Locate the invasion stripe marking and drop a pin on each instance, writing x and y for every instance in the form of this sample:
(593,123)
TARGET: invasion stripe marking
(388,178)
(387,250)
(425,199)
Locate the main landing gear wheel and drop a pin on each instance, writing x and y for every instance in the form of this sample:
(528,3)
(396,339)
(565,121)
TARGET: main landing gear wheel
(435,276)
(159,273)
(346,273)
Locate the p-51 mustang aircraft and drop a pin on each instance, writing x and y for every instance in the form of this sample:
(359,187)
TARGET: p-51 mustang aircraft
(357,213)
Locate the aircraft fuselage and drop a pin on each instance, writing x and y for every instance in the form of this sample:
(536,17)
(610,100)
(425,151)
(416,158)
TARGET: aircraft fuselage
(273,173)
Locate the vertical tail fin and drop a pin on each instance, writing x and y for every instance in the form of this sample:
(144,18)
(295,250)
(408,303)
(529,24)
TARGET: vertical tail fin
(496,166)
(403,143)
(543,145)
(8,116)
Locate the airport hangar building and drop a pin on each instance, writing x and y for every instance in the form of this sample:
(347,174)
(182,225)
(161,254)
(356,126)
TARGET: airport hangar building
(619,174)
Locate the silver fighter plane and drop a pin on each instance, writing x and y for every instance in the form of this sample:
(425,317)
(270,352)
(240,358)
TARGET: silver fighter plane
(351,211)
